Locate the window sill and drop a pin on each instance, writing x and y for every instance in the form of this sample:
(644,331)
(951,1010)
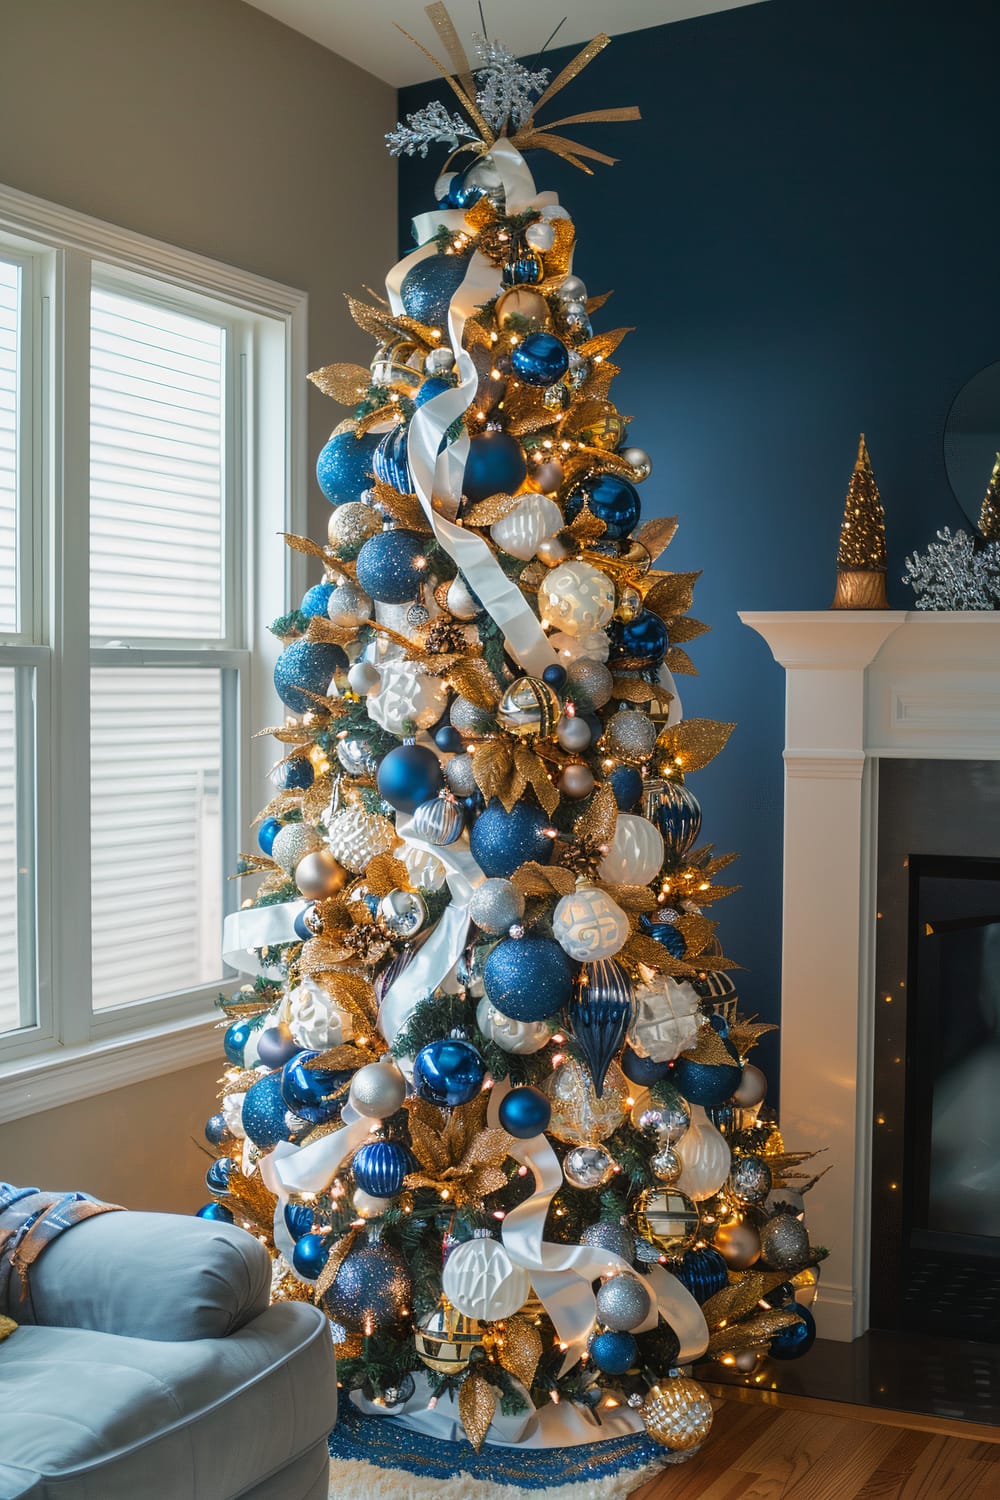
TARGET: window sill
(62,1075)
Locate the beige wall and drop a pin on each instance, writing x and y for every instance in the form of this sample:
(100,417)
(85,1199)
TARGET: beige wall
(207,124)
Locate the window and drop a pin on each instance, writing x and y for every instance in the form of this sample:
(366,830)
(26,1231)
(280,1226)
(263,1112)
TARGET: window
(149,452)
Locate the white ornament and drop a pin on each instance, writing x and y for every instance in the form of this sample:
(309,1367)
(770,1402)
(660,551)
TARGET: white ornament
(540,236)
(635,854)
(314,1019)
(665,1018)
(520,1037)
(588,925)
(407,696)
(363,679)
(355,837)
(425,870)
(704,1156)
(481,1281)
(576,597)
(460,601)
(520,533)
(675,712)
(232,1113)
(593,645)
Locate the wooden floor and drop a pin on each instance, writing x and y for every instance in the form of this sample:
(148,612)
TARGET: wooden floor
(761,1452)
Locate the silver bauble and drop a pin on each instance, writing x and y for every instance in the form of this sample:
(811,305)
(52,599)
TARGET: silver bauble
(548,475)
(293,842)
(468,718)
(588,1166)
(349,606)
(368,1207)
(572,289)
(355,756)
(364,678)
(666,1164)
(573,733)
(552,551)
(623,1302)
(402,914)
(460,600)
(438,821)
(377,1090)
(617,1238)
(459,775)
(639,461)
(439,361)
(496,906)
(576,782)
(351,524)
(751,1088)
(750,1178)
(784,1243)
(588,683)
(540,236)
(630,735)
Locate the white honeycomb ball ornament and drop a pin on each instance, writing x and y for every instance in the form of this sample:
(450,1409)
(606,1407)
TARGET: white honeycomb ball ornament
(355,837)
(520,533)
(481,1281)
(588,925)
(407,696)
(519,1037)
(635,854)
(425,870)
(576,598)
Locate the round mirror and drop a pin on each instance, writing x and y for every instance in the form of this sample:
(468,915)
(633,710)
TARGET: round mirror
(972,439)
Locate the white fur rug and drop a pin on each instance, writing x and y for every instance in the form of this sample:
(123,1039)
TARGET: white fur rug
(360,1481)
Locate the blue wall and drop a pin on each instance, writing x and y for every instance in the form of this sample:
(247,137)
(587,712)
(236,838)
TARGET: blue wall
(805,230)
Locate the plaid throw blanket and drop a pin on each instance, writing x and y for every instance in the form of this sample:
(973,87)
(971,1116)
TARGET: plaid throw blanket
(30,1220)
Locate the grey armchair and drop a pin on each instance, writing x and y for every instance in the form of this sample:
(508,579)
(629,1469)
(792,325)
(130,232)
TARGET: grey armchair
(147,1363)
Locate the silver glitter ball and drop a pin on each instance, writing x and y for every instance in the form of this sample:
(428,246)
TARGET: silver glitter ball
(356,757)
(784,1243)
(402,914)
(377,1090)
(293,842)
(588,683)
(588,1166)
(630,735)
(439,361)
(623,1302)
(666,1164)
(351,524)
(459,775)
(349,606)
(617,1238)
(750,1178)
(470,719)
(496,906)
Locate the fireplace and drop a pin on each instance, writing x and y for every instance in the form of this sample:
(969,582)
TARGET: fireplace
(884,709)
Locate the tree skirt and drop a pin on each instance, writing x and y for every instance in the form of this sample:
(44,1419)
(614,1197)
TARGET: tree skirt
(382,1459)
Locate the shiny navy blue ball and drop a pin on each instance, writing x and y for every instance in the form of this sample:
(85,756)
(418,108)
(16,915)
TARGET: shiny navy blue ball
(216,1129)
(301,926)
(643,642)
(612,500)
(295,775)
(613,1352)
(429,286)
(707,1083)
(391,463)
(299,1219)
(263,1112)
(276,1046)
(408,776)
(703,1272)
(380,1166)
(666,934)
(392,566)
(626,783)
(525,1113)
(306,667)
(448,739)
(502,840)
(235,1040)
(448,1072)
(315,600)
(555,676)
(793,1342)
(540,359)
(216,1211)
(642,1070)
(461,192)
(314,1093)
(311,1254)
(344,467)
(495,465)
(434,385)
(528,978)
(217,1176)
(266,834)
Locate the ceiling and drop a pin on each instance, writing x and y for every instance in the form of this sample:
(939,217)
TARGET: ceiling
(524,25)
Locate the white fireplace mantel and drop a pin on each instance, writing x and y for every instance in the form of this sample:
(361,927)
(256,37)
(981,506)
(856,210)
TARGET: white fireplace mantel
(860,685)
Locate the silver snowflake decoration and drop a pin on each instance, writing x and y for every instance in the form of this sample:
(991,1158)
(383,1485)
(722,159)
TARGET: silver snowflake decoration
(507,89)
(431,125)
(953,574)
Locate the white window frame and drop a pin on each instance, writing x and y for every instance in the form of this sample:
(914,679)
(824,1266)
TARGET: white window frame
(73,1051)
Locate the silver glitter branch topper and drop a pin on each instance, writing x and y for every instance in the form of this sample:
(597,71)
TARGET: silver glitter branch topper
(429,126)
(953,574)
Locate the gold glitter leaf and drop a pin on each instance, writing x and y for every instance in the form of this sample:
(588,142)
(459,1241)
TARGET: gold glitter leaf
(594,304)
(255,1200)
(678,661)
(698,932)
(302,544)
(752,1334)
(634,690)
(710,1049)
(492,766)
(494,508)
(740,1296)
(631,897)
(683,628)
(532,770)
(533,879)
(339,1059)
(256,864)
(7,1327)
(657,534)
(477,1401)
(646,950)
(597,824)
(344,383)
(745,1035)
(338,1255)
(519,1348)
(372,320)
(474,680)
(322,629)
(694,743)
(585,526)
(604,344)
(385,873)
(671,594)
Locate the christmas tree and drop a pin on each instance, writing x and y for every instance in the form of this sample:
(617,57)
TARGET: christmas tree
(490,1058)
(861,556)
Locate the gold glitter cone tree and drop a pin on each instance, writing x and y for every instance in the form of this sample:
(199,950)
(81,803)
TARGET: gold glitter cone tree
(989,513)
(861,556)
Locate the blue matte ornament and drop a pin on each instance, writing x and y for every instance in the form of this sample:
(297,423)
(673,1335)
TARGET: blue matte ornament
(555,676)
(642,1070)
(392,566)
(296,775)
(501,841)
(613,1353)
(448,1072)
(380,1166)
(429,286)
(344,467)
(304,668)
(263,1112)
(311,1254)
(540,359)
(315,600)
(217,1176)
(496,465)
(276,1046)
(703,1272)
(598,1016)
(528,979)
(299,1219)
(448,739)
(217,1211)
(626,783)
(216,1129)
(707,1083)
(666,934)
(408,776)
(234,1041)
(525,1113)
(316,1094)
(434,385)
(611,499)
(798,1339)
(390,462)
(642,642)
(266,834)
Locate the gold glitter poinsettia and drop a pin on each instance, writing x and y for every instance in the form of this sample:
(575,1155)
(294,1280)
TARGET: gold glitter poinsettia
(458,1157)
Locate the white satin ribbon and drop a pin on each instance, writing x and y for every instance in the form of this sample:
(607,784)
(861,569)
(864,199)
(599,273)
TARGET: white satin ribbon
(259,927)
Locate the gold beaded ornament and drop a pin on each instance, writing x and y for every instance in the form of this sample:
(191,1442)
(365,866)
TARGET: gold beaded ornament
(677,1413)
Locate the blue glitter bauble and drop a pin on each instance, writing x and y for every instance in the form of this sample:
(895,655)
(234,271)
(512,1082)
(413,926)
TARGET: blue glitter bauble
(276,1046)
(266,834)
(234,1041)
(344,467)
(311,1254)
(528,978)
(626,783)
(216,1129)
(370,1289)
(434,385)
(315,600)
(555,676)
(642,1070)
(703,1272)
(707,1083)
(495,465)
(540,359)
(306,667)
(390,462)
(295,775)
(217,1176)
(299,1219)
(448,1072)
(613,1352)
(501,841)
(612,500)
(525,1113)
(263,1112)
(380,1166)
(429,286)
(666,934)
(314,1093)
(392,566)
(217,1211)
(793,1342)
(641,642)
(408,776)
